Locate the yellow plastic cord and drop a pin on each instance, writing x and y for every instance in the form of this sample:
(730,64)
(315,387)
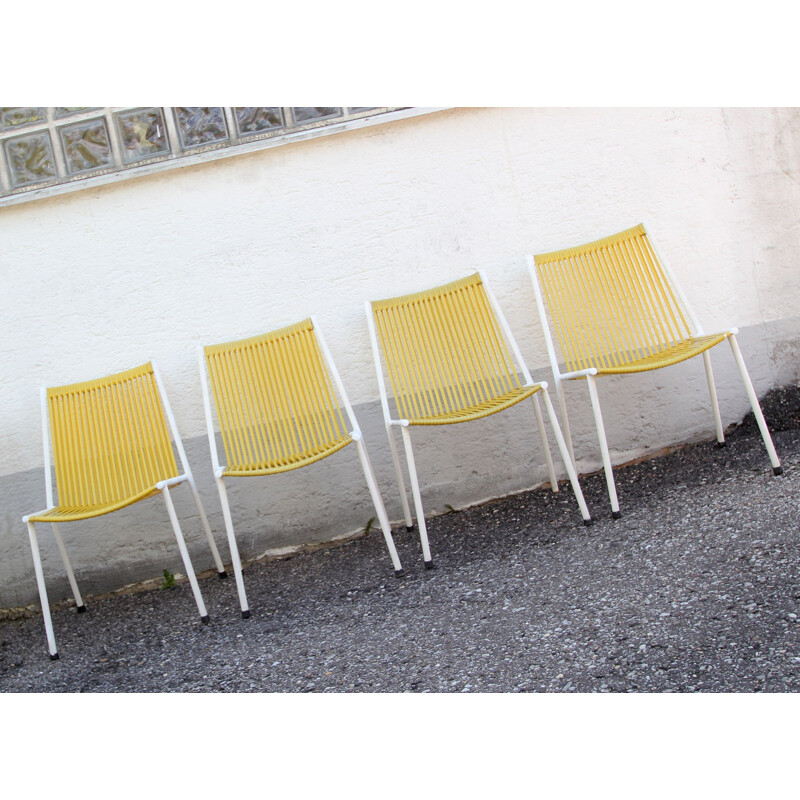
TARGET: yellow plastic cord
(613,307)
(275,401)
(111,444)
(446,356)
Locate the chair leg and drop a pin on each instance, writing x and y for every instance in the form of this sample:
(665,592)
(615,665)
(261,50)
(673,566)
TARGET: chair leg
(207,528)
(712,391)
(570,467)
(543,435)
(380,510)
(187,563)
(37,568)
(755,405)
(68,567)
(235,560)
(601,435)
(565,426)
(401,485)
(412,473)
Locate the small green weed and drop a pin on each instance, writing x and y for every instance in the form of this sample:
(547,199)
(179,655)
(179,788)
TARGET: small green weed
(169,580)
(370,522)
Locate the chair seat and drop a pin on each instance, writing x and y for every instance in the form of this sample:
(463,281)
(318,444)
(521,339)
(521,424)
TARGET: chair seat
(671,354)
(499,403)
(73,513)
(294,461)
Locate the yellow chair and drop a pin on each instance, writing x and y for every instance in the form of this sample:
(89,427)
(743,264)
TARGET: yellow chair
(277,411)
(448,352)
(617,309)
(111,447)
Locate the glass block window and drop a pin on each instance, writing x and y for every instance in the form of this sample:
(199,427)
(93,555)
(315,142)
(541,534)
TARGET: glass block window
(53,149)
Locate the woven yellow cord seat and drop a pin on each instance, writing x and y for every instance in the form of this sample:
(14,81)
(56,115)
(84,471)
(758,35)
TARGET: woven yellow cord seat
(668,355)
(446,354)
(275,402)
(72,513)
(111,445)
(497,403)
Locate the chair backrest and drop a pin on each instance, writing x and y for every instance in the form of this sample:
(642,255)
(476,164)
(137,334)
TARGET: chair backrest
(110,438)
(444,349)
(611,301)
(275,400)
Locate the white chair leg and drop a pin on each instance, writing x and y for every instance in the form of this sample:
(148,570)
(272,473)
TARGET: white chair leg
(755,405)
(712,391)
(37,568)
(565,426)
(207,528)
(412,473)
(601,435)
(380,510)
(68,567)
(570,467)
(235,560)
(187,563)
(545,446)
(401,484)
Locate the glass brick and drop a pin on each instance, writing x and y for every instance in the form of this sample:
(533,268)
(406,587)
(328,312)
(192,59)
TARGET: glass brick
(198,126)
(30,158)
(308,114)
(65,111)
(142,134)
(14,117)
(86,146)
(252,120)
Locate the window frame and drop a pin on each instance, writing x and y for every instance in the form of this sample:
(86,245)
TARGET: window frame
(351,118)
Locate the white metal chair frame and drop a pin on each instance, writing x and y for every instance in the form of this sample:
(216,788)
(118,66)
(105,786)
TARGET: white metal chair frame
(560,378)
(392,423)
(162,486)
(355,435)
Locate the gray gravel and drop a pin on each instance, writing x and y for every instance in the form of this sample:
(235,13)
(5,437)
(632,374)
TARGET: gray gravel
(695,589)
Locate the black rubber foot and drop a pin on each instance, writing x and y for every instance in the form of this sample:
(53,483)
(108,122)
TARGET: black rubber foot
(409,528)
(398,573)
(588,522)
(222,575)
(81,609)
(616,514)
(246,614)
(205,620)
(430,565)
(722,444)
(777,470)
(54,656)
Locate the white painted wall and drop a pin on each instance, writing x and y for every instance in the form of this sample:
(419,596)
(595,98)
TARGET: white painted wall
(102,279)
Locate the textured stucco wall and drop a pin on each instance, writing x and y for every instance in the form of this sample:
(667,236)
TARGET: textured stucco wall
(103,279)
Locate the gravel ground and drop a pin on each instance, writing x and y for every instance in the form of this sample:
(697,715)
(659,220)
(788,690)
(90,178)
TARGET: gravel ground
(695,589)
